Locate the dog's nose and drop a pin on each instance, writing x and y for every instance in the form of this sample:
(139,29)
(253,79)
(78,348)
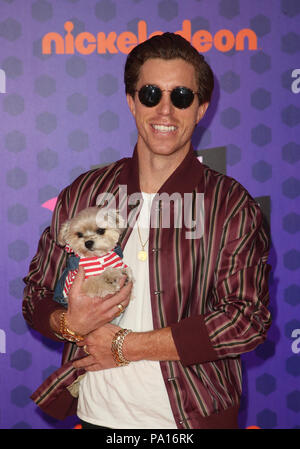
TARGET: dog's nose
(89,244)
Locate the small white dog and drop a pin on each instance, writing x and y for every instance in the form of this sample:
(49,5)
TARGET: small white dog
(92,235)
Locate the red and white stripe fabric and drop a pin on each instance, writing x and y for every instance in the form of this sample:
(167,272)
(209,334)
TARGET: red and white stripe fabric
(96,265)
(93,266)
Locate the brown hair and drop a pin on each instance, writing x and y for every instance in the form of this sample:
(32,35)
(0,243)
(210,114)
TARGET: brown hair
(168,46)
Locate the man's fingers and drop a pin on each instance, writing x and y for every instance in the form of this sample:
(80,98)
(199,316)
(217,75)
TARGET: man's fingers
(123,280)
(126,289)
(115,298)
(123,295)
(84,362)
(88,363)
(79,278)
(112,306)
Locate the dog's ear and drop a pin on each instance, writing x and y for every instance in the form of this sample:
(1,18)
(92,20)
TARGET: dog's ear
(62,235)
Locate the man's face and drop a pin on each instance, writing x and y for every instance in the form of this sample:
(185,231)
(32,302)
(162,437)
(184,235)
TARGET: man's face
(165,129)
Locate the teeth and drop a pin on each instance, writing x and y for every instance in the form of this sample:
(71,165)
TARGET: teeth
(164,128)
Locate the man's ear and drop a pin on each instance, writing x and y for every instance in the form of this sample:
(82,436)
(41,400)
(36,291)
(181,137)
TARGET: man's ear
(201,111)
(130,102)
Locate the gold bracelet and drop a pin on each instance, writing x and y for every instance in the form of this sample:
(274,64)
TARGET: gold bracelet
(67,333)
(117,347)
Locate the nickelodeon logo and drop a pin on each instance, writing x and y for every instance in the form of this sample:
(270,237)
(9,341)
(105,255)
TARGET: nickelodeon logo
(87,43)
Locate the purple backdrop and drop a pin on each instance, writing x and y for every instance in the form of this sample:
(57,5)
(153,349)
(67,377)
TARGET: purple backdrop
(64,113)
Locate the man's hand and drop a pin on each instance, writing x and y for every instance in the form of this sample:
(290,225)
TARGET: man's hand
(152,345)
(98,344)
(85,314)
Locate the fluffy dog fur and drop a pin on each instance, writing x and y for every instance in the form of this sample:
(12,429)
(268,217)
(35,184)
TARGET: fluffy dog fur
(93,232)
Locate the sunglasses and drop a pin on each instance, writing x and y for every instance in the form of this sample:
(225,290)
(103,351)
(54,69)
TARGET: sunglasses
(181,97)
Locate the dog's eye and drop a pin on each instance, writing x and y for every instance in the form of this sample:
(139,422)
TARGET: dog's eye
(79,234)
(100,231)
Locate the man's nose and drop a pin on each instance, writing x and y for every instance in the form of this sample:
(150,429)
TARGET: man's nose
(165,105)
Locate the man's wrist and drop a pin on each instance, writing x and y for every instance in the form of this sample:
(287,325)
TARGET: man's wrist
(61,328)
(55,320)
(157,345)
(117,347)
(130,347)
(67,333)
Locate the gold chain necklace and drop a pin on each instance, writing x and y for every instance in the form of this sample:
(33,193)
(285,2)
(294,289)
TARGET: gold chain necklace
(142,254)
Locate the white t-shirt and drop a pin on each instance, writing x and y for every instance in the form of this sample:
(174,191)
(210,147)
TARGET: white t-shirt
(133,396)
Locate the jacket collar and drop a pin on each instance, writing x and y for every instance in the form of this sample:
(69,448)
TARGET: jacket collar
(183,180)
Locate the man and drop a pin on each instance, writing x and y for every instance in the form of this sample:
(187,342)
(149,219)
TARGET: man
(200,297)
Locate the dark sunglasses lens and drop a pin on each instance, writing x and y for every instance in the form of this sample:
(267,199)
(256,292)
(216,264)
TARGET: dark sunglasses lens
(150,95)
(182,97)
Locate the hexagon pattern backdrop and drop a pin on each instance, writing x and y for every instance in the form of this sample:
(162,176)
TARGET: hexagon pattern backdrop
(63,113)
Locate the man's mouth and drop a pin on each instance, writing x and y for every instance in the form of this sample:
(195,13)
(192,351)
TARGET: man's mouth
(164,128)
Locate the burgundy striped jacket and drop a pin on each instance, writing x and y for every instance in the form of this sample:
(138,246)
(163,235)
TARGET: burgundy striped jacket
(211,290)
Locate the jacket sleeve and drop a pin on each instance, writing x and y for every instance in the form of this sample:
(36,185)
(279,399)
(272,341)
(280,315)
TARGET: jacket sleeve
(44,271)
(238,318)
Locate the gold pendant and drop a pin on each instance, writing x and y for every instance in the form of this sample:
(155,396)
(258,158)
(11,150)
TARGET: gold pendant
(142,255)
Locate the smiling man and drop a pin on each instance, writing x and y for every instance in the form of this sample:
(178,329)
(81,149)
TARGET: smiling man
(172,360)
(164,130)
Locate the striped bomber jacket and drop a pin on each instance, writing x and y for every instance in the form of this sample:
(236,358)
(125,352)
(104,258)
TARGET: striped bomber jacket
(211,290)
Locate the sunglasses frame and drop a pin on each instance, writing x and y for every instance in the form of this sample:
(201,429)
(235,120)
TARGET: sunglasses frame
(160,91)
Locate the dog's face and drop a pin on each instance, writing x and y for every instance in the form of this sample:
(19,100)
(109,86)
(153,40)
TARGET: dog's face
(92,232)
